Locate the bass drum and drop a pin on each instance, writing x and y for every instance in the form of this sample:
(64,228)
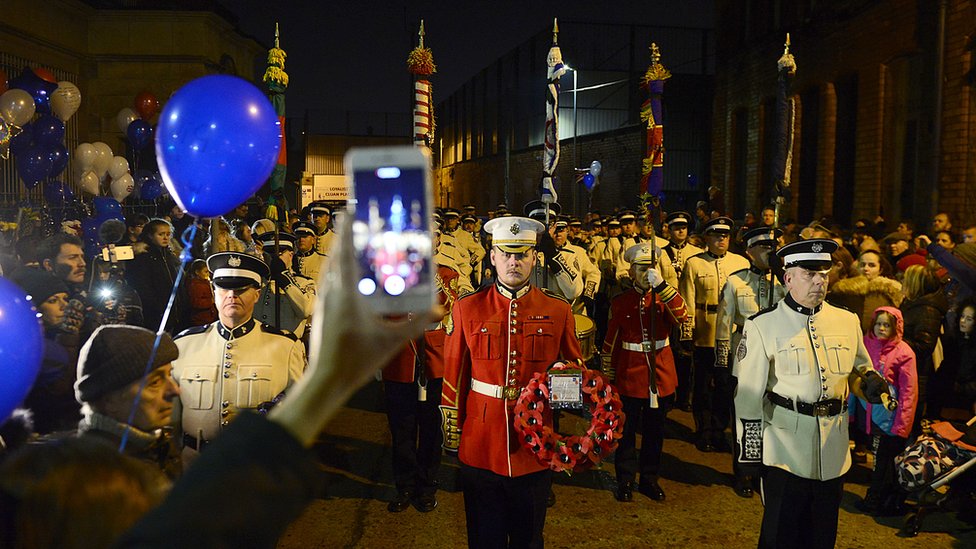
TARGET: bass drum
(586,334)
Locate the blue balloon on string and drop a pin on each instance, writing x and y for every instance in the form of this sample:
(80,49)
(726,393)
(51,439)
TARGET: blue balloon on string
(692,181)
(34,165)
(39,89)
(150,188)
(106,206)
(21,346)
(58,193)
(48,130)
(589,181)
(217,141)
(22,141)
(140,134)
(58,155)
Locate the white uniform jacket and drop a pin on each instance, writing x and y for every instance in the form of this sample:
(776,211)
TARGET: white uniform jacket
(679,254)
(701,285)
(297,302)
(664,263)
(220,372)
(807,356)
(310,264)
(745,293)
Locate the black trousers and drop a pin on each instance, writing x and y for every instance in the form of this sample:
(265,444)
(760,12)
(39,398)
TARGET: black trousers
(416,430)
(799,512)
(712,398)
(504,511)
(683,366)
(884,477)
(650,422)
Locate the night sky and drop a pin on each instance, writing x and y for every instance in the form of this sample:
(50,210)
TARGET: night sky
(352,55)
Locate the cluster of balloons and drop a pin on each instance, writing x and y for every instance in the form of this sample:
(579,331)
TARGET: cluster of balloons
(38,146)
(134,121)
(105,208)
(589,179)
(95,163)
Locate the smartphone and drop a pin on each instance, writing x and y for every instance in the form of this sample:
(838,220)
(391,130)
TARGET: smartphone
(122,253)
(390,191)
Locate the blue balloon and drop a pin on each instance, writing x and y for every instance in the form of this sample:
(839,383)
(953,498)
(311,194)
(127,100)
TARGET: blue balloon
(21,346)
(22,141)
(59,159)
(89,229)
(140,134)
(217,141)
(589,181)
(106,206)
(48,130)
(39,89)
(150,188)
(58,193)
(34,165)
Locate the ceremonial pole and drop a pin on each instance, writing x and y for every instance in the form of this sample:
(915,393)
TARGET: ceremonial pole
(276,80)
(420,63)
(652,181)
(550,153)
(783,153)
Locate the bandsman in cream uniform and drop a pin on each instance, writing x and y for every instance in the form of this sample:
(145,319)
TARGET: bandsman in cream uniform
(678,251)
(308,261)
(746,292)
(701,285)
(553,270)
(296,292)
(235,363)
(320,215)
(796,364)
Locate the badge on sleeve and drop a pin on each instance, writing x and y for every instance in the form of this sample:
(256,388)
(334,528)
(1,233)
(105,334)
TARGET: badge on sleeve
(740,351)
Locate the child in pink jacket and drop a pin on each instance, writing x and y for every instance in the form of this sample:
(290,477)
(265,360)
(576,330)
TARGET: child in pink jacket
(895,361)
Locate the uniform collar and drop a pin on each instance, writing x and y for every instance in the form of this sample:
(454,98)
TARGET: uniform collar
(305,254)
(679,246)
(513,294)
(713,256)
(792,304)
(758,271)
(237,332)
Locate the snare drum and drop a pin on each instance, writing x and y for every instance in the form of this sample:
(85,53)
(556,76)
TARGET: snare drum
(586,334)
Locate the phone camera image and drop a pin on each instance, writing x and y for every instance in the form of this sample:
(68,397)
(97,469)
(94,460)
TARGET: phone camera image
(391,231)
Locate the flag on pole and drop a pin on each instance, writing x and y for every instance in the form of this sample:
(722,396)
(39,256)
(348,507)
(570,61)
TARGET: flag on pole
(785,112)
(420,63)
(652,170)
(550,155)
(276,80)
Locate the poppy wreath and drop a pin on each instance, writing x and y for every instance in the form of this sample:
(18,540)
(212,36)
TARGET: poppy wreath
(564,453)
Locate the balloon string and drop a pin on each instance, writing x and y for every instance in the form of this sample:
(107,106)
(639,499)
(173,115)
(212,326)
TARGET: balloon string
(187,238)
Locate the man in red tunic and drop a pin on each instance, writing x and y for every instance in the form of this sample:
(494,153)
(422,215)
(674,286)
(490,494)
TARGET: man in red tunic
(502,336)
(631,335)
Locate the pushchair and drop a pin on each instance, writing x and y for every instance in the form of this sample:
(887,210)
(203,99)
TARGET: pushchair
(944,452)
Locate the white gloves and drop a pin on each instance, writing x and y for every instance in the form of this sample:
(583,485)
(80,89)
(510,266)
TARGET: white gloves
(654,278)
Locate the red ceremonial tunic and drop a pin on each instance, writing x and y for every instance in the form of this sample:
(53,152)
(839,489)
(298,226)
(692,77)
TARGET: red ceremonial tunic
(402,367)
(628,313)
(502,339)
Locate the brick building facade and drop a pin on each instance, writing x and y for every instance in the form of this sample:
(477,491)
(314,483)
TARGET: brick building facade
(885,121)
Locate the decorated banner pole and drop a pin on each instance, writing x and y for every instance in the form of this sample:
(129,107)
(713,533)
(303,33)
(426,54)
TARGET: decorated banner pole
(652,174)
(550,152)
(420,62)
(276,80)
(783,152)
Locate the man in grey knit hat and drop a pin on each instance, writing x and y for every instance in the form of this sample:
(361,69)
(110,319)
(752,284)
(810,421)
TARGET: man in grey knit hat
(111,390)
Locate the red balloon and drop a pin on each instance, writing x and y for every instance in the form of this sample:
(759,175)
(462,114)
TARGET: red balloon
(3,82)
(45,74)
(146,105)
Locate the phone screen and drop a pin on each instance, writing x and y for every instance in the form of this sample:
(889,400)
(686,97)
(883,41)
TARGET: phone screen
(391,231)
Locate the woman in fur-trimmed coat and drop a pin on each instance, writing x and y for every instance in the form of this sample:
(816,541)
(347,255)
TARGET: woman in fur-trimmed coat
(863,294)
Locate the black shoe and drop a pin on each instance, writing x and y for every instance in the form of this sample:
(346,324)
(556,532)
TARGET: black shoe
(551,500)
(868,505)
(426,503)
(652,490)
(704,445)
(743,487)
(400,503)
(625,491)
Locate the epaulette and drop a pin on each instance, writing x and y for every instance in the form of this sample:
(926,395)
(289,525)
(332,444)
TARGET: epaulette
(739,271)
(764,311)
(469,294)
(267,328)
(699,254)
(191,331)
(300,275)
(553,294)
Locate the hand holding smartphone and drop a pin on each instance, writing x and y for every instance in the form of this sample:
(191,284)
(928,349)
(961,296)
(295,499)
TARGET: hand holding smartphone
(391,190)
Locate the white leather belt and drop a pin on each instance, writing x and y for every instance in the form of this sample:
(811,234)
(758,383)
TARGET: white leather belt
(487,389)
(645,346)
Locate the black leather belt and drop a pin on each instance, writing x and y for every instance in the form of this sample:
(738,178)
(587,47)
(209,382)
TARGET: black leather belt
(191,442)
(822,408)
(707,308)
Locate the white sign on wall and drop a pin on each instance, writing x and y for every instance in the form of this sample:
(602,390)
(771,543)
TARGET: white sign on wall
(330,187)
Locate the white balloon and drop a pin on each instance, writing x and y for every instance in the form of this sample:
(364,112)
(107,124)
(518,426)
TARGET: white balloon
(122,187)
(89,183)
(103,158)
(125,117)
(118,167)
(16,107)
(596,168)
(65,100)
(86,154)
